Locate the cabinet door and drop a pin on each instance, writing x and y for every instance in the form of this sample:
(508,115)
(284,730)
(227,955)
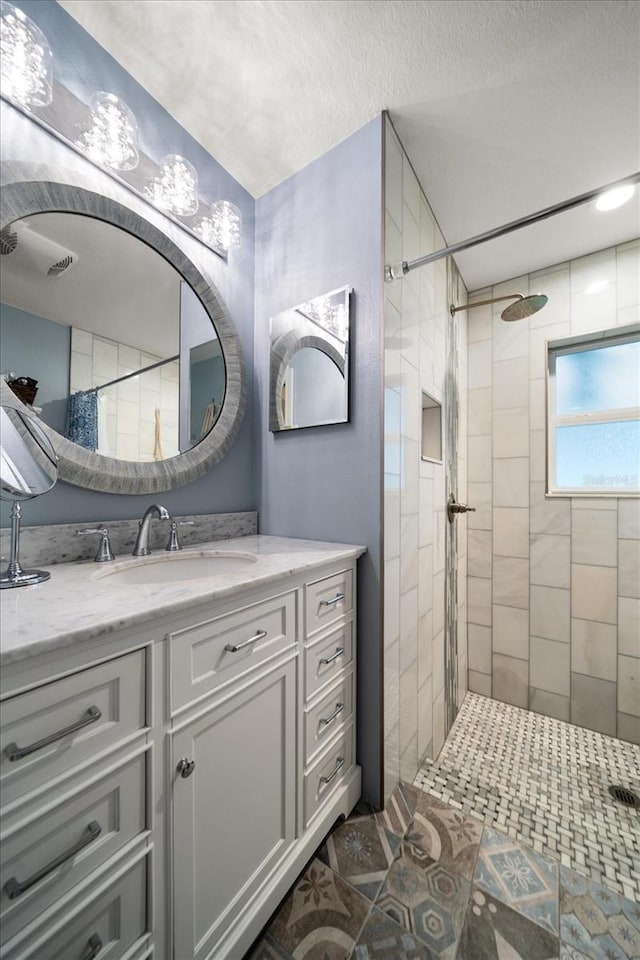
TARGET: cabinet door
(234,815)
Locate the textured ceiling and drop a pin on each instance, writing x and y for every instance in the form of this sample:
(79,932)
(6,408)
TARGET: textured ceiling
(504,107)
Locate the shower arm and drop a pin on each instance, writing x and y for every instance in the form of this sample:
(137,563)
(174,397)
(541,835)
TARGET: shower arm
(484,303)
(397,270)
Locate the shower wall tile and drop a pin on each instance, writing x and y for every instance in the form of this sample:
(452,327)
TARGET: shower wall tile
(479,411)
(564,571)
(629,685)
(594,593)
(511,383)
(629,626)
(551,613)
(549,514)
(594,536)
(549,704)
(425,648)
(511,631)
(593,704)
(629,519)
(479,600)
(479,552)
(425,717)
(510,680)
(480,683)
(629,568)
(511,582)
(511,432)
(425,580)
(594,649)
(511,532)
(391,605)
(550,666)
(550,560)
(438,724)
(511,482)
(479,641)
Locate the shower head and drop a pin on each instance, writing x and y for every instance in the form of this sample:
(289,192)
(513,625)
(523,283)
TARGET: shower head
(523,306)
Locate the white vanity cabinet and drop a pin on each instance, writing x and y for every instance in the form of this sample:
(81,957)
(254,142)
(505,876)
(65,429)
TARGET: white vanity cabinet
(177,820)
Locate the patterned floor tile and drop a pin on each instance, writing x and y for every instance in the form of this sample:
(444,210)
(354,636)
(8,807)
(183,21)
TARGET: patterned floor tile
(382,939)
(361,851)
(446,835)
(545,783)
(596,921)
(321,917)
(426,899)
(493,931)
(519,877)
(398,812)
(570,953)
(268,949)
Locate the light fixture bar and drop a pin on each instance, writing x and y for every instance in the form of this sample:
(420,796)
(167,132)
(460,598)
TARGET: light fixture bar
(397,270)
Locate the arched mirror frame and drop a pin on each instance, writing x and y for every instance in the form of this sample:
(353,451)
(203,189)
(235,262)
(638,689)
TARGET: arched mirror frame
(84,468)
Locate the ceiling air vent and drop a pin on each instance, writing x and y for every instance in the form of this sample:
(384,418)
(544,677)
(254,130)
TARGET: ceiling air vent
(57,268)
(8,241)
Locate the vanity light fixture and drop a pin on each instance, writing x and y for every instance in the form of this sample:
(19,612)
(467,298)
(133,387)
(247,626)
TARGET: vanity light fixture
(611,199)
(26,67)
(175,189)
(223,226)
(112,136)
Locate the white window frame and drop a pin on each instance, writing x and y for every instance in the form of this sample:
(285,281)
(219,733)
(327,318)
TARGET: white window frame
(558,348)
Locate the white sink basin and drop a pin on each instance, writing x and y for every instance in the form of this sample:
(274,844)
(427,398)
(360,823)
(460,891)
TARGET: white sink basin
(175,567)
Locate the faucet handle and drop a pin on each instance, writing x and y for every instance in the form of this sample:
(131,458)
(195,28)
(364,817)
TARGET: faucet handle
(173,543)
(104,549)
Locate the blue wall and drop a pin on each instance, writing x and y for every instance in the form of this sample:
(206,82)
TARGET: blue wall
(33,346)
(321,229)
(84,67)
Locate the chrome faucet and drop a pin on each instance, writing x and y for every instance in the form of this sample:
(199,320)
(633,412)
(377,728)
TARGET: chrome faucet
(141,548)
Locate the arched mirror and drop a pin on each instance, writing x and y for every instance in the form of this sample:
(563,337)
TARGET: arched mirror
(115,340)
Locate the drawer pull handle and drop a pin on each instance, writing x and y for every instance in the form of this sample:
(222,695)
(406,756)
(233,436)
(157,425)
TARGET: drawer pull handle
(329,603)
(339,765)
(14,752)
(14,888)
(95,946)
(334,656)
(324,721)
(234,647)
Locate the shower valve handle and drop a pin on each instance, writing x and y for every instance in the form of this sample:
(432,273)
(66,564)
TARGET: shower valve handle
(453,508)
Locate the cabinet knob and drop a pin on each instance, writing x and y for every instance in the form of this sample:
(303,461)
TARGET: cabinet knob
(185,767)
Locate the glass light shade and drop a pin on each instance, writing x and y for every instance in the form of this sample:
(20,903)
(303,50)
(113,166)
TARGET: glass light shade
(112,137)
(615,197)
(26,68)
(223,227)
(175,189)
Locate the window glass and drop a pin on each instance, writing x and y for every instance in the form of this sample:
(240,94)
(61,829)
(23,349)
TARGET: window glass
(598,455)
(607,378)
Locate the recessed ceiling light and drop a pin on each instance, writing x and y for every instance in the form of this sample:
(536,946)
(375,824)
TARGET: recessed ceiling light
(597,286)
(616,197)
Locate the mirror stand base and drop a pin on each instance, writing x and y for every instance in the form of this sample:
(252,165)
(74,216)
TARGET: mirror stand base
(22,578)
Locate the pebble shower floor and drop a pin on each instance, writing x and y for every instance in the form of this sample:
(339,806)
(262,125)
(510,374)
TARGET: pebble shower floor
(545,783)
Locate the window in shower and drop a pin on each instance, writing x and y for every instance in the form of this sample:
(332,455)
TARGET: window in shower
(593,414)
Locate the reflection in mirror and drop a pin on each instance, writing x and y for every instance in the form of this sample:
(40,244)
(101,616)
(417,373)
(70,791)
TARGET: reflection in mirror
(309,372)
(97,332)
(28,468)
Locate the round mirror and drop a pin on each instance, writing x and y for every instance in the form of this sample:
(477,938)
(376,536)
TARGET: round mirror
(111,335)
(28,462)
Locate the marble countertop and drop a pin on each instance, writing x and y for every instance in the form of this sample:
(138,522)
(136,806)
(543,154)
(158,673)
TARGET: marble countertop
(79,603)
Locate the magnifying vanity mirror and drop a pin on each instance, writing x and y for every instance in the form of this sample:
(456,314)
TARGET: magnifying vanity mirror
(28,468)
(309,370)
(112,336)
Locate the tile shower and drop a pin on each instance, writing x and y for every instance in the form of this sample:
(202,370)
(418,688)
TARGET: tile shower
(554,584)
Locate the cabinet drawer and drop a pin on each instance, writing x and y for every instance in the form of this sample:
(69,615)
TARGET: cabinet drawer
(326,774)
(328,714)
(42,859)
(328,600)
(105,928)
(47,731)
(326,658)
(208,654)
